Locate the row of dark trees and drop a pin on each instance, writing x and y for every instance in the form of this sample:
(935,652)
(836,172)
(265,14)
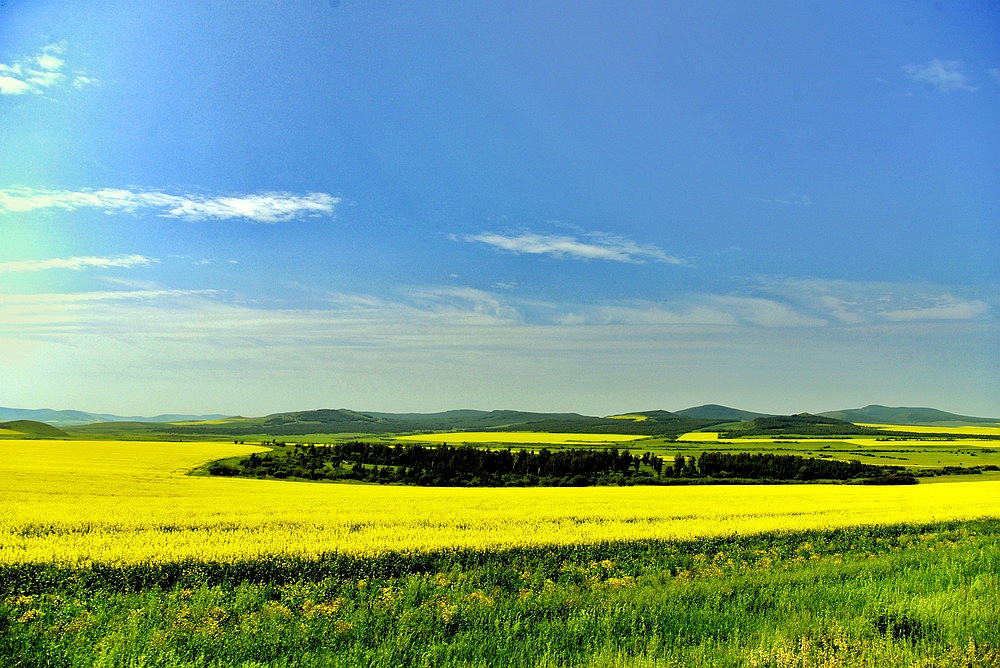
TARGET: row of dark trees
(447,465)
(450,465)
(785,467)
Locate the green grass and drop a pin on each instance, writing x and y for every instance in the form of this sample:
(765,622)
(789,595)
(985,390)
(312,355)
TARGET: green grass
(885,596)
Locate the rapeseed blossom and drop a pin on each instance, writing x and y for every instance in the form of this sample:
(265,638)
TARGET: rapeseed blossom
(116,502)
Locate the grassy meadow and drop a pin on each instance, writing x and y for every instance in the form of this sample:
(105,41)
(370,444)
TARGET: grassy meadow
(112,554)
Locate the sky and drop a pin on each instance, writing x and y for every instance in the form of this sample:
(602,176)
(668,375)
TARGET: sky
(593,207)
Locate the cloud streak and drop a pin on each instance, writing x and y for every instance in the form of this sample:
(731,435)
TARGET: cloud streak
(268,207)
(37,74)
(945,75)
(859,303)
(76,263)
(594,246)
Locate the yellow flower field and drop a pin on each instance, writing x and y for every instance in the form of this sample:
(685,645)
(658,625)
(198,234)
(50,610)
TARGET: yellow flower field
(74,502)
(698,436)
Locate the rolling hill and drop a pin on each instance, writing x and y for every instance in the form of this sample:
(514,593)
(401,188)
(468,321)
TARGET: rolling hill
(33,428)
(803,424)
(717,412)
(345,421)
(327,421)
(875,414)
(70,418)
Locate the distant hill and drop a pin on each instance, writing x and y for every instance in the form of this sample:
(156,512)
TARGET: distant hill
(328,421)
(717,412)
(875,414)
(72,418)
(803,424)
(33,428)
(345,421)
(58,418)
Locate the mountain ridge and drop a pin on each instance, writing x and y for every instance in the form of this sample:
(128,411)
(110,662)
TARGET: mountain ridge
(346,420)
(70,418)
(904,415)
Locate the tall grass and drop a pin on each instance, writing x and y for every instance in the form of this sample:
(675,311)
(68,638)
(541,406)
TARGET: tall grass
(899,595)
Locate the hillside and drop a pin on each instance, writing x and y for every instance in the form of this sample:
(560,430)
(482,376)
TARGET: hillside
(875,414)
(717,412)
(345,421)
(69,418)
(803,424)
(33,428)
(332,421)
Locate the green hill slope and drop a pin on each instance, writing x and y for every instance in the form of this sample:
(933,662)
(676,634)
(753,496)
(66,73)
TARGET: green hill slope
(33,429)
(876,414)
(803,424)
(717,412)
(334,421)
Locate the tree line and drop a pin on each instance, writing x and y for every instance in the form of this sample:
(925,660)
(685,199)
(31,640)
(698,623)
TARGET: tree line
(469,466)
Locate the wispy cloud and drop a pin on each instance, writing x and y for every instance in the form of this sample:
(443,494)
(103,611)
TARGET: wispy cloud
(76,263)
(859,303)
(470,301)
(707,310)
(802,200)
(40,73)
(944,307)
(269,207)
(593,246)
(945,75)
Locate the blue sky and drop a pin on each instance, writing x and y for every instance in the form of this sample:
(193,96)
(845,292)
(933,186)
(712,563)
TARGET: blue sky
(558,206)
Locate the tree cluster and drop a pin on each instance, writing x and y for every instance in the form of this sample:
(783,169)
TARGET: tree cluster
(784,467)
(469,466)
(453,465)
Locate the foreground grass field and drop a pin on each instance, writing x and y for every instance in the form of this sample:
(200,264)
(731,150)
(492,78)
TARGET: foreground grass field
(110,554)
(888,596)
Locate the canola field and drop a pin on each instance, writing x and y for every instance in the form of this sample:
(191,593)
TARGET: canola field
(77,503)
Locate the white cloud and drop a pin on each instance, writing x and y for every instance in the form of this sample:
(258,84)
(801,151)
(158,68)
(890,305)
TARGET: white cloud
(37,74)
(270,207)
(76,263)
(595,246)
(945,75)
(12,86)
